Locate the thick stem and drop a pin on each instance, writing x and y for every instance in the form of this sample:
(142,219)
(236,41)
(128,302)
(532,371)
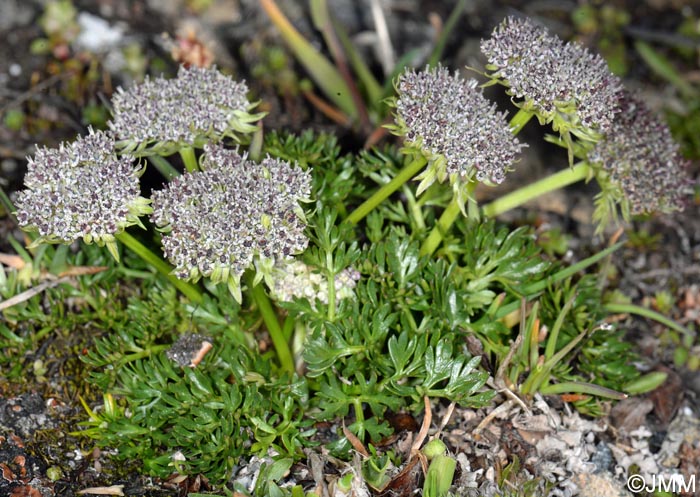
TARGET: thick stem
(154,349)
(284,354)
(415,209)
(435,237)
(408,172)
(164,167)
(519,120)
(189,290)
(189,159)
(526,193)
(359,415)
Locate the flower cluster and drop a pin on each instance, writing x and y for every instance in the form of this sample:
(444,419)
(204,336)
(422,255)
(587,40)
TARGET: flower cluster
(297,280)
(641,158)
(233,213)
(562,83)
(81,190)
(160,116)
(450,122)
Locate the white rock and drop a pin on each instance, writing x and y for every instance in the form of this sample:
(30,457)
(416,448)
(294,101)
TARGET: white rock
(96,35)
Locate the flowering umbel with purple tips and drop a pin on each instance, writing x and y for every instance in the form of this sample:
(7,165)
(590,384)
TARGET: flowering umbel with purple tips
(232,215)
(562,83)
(641,161)
(81,190)
(448,121)
(160,116)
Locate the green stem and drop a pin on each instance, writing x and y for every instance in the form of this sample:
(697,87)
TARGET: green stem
(164,167)
(330,276)
(408,172)
(188,290)
(526,193)
(189,159)
(148,352)
(256,144)
(284,354)
(374,91)
(647,313)
(415,209)
(288,328)
(519,120)
(359,416)
(446,219)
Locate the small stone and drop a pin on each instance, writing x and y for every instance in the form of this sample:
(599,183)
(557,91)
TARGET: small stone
(187,349)
(599,485)
(602,458)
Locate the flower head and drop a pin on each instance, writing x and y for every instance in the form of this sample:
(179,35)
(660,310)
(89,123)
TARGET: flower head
(81,190)
(563,83)
(294,279)
(159,116)
(641,159)
(450,122)
(231,215)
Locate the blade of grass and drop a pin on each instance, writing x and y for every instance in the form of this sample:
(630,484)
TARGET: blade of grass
(370,84)
(19,248)
(573,269)
(533,290)
(332,113)
(663,68)
(585,388)
(7,203)
(385,48)
(554,334)
(323,22)
(321,70)
(530,349)
(436,55)
(647,313)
